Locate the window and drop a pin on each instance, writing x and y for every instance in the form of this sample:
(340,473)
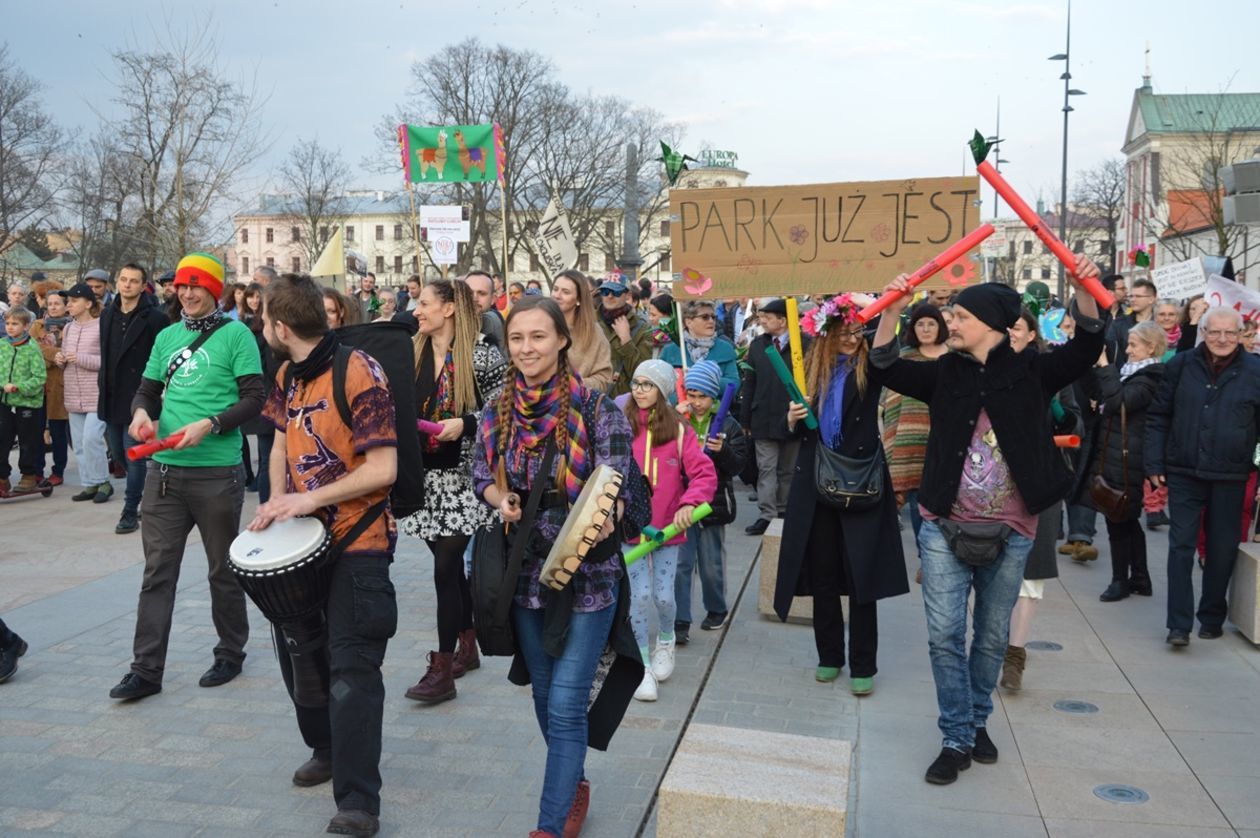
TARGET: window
(380,262)
(1045,250)
(1080,246)
(295,234)
(1045,273)
(271,235)
(323,234)
(1027,273)
(244,236)
(665,227)
(245,264)
(610,229)
(419,233)
(610,261)
(584,261)
(534,265)
(397,232)
(1011,255)
(349,233)
(271,263)
(415,263)
(297,264)
(664,263)
(485,261)
(1028,247)
(380,232)
(398,259)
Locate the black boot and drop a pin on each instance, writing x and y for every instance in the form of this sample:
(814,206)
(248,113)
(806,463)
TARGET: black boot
(1117,590)
(11,648)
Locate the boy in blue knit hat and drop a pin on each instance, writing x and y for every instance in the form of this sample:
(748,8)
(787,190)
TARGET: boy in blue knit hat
(705,546)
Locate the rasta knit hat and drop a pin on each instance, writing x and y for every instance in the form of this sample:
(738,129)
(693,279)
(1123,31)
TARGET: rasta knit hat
(659,373)
(705,377)
(201,270)
(994,304)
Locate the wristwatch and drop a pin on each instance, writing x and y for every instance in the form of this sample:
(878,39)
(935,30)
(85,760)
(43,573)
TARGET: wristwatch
(215,427)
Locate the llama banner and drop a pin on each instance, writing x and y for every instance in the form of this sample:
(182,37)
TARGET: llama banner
(818,239)
(449,154)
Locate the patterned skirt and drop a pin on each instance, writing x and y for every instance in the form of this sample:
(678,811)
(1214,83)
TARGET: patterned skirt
(450,507)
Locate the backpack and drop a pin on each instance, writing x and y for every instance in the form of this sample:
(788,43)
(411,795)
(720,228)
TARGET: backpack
(389,344)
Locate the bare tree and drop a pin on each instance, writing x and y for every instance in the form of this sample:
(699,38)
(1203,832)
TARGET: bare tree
(314,179)
(1099,193)
(100,201)
(30,147)
(189,131)
(1190,167)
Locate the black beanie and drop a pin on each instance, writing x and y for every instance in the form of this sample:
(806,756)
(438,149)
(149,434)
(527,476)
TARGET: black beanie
(994,304)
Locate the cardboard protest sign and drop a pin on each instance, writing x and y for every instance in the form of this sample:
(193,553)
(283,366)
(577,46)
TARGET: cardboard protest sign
(553,240)
(821,238)
(1182,280)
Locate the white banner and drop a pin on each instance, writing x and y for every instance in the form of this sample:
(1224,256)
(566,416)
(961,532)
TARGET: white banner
(554,240)
(1182,280)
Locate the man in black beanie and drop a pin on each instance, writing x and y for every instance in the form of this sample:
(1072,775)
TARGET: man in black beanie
(990,468)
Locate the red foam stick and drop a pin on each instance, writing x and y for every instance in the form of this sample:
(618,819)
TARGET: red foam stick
(148,449)
(947,257)
(1067,441)
(427,427)
(1049,239)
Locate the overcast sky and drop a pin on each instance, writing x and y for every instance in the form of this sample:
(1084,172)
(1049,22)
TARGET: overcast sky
(803,90)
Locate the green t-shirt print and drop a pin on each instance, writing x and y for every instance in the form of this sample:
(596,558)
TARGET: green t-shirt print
(204,386)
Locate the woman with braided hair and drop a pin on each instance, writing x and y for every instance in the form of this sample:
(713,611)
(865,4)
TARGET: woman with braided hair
(457,373)
(571,640)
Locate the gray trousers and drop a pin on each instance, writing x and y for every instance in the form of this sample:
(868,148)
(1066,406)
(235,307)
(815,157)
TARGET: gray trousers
(776,458)
(209,498)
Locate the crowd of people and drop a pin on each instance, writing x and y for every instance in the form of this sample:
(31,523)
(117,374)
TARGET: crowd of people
(948,409)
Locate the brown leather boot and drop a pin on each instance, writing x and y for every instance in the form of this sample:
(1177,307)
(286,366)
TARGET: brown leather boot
(1013,668)
(466,657)
(438,684)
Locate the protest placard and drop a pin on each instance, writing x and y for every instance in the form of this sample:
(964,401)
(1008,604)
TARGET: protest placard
(553,240)
(817,239)
(1180,281)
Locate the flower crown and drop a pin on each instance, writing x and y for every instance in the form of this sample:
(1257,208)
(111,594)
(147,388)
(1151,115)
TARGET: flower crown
(839,309)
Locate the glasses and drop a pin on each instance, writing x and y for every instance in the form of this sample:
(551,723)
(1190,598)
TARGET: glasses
(641,386)
(1222,334)
(704,317)
(608,292)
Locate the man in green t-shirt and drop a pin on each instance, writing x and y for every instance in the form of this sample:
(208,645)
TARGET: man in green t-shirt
(203,380)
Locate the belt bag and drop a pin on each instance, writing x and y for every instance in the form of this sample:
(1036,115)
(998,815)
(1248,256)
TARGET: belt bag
(849,483)
(975,544)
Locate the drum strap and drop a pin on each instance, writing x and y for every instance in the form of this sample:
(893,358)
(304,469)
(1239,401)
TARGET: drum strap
(526,526)
(369,517)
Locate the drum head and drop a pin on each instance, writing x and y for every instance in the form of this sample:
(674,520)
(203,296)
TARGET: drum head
(281,544)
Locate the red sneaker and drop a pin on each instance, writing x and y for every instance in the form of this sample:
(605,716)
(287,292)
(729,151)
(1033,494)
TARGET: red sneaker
(56,480)
(577,812)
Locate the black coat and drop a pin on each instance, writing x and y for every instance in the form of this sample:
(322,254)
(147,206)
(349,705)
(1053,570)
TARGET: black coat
(763,400)
(1015,390)
(1201,426)
(872,540)
(729,463)
(1107,443)
(124,354)
(260,425)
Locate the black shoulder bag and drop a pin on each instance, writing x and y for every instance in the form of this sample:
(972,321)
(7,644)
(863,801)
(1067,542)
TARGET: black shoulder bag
(849,483)
(1113,503)
(495,570)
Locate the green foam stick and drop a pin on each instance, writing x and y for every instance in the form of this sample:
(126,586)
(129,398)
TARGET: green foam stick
(794,392)
(640,550)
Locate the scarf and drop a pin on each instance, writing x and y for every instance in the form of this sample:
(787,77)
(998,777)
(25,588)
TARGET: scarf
(830,423)
(535,416)
(1217,365)
(609,316)
(1133,366)
(18,341)
(698,348)
(202,324)
(442,403)
(1174,336)
(320,359)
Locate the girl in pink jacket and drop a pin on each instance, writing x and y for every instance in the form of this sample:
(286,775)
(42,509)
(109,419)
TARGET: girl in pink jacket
(80,357)
(682,477)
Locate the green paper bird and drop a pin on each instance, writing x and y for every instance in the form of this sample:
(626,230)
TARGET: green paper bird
(980,148)
(675,162)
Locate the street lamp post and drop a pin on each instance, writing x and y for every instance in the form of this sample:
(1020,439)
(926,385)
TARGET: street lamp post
(1068,92)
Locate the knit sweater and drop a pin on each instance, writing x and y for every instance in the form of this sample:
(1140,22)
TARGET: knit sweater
(22,365)
(906,426)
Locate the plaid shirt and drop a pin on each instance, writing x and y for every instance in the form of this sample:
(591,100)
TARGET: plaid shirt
(610,441)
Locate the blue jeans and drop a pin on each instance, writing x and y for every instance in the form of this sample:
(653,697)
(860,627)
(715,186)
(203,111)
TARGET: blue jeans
(964,683)
(1082,523)
(561,687)
(703,549)
(119,441)
(916,517)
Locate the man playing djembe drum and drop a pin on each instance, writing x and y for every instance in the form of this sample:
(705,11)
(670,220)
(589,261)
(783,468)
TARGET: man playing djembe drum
(342,474)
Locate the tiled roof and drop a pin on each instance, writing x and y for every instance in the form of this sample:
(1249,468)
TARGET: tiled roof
(1198,112)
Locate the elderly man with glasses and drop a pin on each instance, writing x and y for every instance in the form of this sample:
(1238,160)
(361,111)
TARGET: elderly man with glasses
(1201,436)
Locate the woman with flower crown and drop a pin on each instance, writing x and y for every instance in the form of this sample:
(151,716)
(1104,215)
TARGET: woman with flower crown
(828,552)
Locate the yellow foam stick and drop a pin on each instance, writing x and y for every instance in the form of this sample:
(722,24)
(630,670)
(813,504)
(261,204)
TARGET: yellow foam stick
(794,344)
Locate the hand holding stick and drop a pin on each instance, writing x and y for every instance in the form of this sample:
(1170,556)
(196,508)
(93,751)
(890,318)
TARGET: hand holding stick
(655,538)
(925,272)
(148,449)
(794,392)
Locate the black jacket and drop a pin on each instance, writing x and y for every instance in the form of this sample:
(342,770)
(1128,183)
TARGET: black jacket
(1015,390)
(1202,427)
(729,462)
(763,400)
(126,341)
(1108,443)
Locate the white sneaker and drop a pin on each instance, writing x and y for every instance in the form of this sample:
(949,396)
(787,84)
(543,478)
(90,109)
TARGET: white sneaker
(663,661)
(647,689)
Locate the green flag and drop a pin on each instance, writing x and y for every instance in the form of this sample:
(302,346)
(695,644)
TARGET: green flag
(448,154)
